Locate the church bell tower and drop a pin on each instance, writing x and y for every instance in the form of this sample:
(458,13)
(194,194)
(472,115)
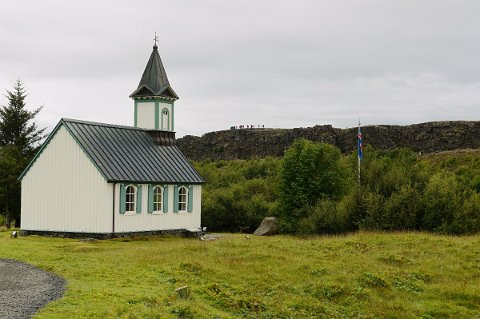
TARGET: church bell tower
(154,98)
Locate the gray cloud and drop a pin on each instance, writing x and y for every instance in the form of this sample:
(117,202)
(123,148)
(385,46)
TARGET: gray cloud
(278,63)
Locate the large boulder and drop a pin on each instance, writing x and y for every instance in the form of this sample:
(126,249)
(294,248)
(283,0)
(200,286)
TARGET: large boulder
(268,227)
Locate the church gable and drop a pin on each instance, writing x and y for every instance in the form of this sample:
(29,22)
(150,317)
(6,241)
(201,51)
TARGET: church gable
(169,92)
(50,158)
(59,136)
(144,91)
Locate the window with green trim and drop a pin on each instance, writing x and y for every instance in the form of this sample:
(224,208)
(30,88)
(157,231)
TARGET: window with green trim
(182,199)
(165,120)
(157,198)
(130,198)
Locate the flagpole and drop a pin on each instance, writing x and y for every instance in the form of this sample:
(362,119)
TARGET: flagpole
(359,170)
(360,154)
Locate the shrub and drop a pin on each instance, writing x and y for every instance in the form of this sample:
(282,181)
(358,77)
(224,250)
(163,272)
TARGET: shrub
(467,219)
(441,200)
(403,210)
(375,218)
(238,194)
(323,219)
(351,209)
(309,172)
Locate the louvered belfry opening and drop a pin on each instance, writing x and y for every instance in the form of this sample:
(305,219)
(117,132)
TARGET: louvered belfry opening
(162,138)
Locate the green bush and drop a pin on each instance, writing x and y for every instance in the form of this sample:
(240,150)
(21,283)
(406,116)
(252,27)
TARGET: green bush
(375,218)
(467,219)
(385,172)
(441,200)
(310,172)
(327,219)
(351,209)
(404,210)
(475,183)
(238,194)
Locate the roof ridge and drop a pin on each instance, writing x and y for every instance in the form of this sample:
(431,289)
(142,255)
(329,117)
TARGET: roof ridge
(126,154)
(126,127)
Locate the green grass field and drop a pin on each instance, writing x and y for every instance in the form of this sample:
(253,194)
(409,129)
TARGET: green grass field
(364,275)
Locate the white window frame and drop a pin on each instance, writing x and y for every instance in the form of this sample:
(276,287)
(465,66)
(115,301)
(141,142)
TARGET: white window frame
(127,203)
(180,202)
(165,116)
(160,210)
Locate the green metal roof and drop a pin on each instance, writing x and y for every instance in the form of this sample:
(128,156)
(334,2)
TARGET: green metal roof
(127,154)
(154,80)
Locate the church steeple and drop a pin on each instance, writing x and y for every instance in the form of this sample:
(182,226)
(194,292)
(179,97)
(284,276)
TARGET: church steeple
(154,80)
(154,97)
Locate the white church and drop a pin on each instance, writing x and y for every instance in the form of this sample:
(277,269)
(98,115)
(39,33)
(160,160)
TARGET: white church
(102,180)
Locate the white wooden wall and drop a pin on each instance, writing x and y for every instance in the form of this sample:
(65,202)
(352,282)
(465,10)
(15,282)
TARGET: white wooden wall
(146,115)
(63,191)
(146,221)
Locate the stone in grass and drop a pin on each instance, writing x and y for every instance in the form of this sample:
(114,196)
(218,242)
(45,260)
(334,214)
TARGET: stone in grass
(183,292)
(268,227)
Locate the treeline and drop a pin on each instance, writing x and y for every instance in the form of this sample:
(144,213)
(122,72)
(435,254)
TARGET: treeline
(313,189)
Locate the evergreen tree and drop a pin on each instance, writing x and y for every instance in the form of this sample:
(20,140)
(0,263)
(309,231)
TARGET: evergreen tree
(16,123)
(19,139)
(11,165)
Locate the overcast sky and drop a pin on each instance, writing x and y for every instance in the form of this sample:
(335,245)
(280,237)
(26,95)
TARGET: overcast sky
(270,62)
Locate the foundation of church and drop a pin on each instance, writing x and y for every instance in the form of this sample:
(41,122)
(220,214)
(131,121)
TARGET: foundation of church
(186,233)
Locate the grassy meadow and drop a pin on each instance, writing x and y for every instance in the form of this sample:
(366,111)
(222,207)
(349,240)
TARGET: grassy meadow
(362,275)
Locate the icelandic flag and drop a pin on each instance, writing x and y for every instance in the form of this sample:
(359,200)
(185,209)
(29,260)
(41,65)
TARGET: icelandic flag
(360,143)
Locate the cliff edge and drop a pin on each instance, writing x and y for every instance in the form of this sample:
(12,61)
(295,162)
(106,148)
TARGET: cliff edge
(261,142)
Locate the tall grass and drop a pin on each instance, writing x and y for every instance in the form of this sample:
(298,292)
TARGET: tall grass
(365,275)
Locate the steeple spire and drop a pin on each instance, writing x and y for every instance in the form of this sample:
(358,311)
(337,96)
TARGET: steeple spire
(154,82)
(154,98)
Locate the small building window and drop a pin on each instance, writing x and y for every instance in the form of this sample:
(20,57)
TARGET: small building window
(182,199)
(157,198)
(130,198)
(165,120)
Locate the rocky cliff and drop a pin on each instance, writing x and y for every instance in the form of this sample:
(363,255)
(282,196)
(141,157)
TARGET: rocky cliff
(249,143)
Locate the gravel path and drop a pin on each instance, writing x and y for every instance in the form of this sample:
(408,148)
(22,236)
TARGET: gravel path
(24,289)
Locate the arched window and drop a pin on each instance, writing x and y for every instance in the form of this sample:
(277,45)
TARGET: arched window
(182,199)
(130,198)
(165,120)
(157,198)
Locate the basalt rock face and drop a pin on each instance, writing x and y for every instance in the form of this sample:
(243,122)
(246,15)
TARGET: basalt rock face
(250,143)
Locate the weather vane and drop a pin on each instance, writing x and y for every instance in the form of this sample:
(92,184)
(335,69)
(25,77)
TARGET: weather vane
(156,38)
